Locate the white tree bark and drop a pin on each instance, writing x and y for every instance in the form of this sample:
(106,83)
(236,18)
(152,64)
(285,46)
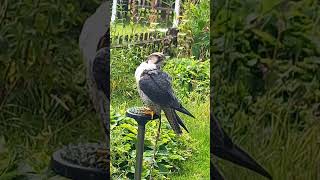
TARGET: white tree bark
(176,14)
(114,11)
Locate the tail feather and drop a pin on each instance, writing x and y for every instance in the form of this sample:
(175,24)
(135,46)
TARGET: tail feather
(215,173)
(180,121)
(172,119)
(240,157)
(184,111)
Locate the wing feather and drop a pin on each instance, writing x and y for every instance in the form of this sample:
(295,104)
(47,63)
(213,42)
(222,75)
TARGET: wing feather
(156,84)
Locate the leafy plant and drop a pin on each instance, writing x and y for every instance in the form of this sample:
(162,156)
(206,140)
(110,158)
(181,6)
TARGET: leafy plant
(195,25)
(189,75)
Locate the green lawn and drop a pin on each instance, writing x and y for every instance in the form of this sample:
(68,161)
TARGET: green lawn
(198,166)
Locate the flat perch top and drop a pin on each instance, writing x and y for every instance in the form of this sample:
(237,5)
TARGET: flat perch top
(138,114)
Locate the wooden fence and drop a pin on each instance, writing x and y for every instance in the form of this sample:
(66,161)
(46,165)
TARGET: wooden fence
(147,42)
(164,15)
(120,41)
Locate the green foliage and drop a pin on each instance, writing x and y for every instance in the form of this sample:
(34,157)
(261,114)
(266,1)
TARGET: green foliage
(191,82)
(266,83)
(195,24)
(124,63)
(189,76)
(127,29)
(171,149)
(43,100)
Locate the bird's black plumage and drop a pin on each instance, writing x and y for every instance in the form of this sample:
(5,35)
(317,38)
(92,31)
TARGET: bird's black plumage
(157,86)
(215,173)
(224,148)
(101,70)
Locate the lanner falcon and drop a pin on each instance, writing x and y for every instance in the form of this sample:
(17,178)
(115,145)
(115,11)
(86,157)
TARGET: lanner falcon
(156,91)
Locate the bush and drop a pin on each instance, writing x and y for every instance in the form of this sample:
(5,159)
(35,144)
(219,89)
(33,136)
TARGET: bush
(189,76)
(195,24)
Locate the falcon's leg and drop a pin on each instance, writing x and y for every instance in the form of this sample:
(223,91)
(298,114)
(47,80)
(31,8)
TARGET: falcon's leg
(159,130)
(148,111)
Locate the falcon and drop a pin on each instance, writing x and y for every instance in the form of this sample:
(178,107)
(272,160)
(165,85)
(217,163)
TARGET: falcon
(224,148)
(155,90)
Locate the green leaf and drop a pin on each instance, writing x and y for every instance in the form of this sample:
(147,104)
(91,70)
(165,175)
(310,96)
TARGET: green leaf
(265,36)
(268,5)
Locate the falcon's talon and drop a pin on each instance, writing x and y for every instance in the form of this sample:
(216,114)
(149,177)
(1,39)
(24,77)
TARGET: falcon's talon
(148,111)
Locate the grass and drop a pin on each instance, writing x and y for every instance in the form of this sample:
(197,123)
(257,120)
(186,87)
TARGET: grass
(198,166)
(45,103)
(286,150)
(124,29)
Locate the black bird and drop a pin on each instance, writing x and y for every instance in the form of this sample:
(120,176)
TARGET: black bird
(224,148)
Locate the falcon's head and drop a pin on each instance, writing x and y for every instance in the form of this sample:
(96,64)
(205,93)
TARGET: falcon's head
(156,58)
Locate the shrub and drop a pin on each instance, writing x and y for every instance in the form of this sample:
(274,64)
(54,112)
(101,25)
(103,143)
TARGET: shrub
(189,76)
(195,24)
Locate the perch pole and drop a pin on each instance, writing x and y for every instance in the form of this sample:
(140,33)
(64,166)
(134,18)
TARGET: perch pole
(137,114)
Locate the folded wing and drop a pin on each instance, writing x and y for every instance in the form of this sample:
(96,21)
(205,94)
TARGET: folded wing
(156,84)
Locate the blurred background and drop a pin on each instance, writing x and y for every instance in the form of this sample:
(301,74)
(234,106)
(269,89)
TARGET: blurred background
(44,103)
(266,83)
